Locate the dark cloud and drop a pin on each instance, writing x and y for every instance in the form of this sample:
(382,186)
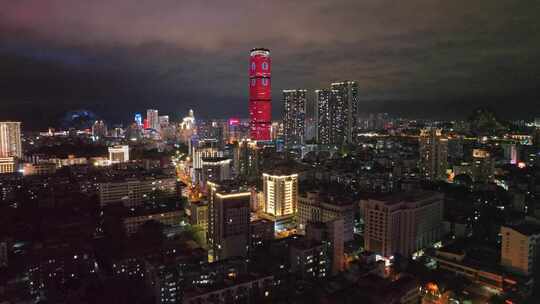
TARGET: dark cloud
(416,57)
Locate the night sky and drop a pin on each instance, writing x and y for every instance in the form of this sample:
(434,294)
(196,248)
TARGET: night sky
(419,58)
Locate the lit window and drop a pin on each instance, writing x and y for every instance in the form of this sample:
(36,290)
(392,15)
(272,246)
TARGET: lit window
(265,66)
(253,66)
(265,81)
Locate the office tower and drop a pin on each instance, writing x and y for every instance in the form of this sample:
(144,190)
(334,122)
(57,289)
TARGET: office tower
(229,217)
(99,129)
(163,121)
(119,154)
(153,119)
(212,129)
(330,233)
(276,130)
(433,154)
(117,132)
(204,149)
(321,208)
(246,159)
(402,223)
(346,110)
(483,165)
(280,194)
(10,139)
(10,145)
(138,120)
(188,122)
(323,103)
(294,116)
(234,133)
(216,169)
(188,128)
(510,153)
(519,247)
(260,98)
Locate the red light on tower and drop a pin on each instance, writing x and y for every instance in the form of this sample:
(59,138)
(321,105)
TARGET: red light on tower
(260,94)
(234,122)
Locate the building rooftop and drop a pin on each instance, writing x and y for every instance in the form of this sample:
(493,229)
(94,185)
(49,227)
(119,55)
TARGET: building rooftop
(329,198)
(143,210)
(214,159)
(526,228)
(259,49)
(304,243)
(400,197)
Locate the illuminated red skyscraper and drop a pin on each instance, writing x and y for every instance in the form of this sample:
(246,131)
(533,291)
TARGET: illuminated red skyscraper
(260,94)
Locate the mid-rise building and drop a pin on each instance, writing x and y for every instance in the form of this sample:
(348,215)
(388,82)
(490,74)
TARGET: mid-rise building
(454,260)
(309,259)
(166,216)
(10,139)
(330,233)
(198,216)
(249,288)
(246,159)
(483,165)
(204,149)
(216,169)
(520,248)
(317,207)
(138,120)
(262,230)
(135,191)
(280,194)
(166,281)
(163,121)
(99,129)
(43,168)
(402,223)
(153,119)
(433,154)
(228,220)
(294,116)
(119,154)
(8,165)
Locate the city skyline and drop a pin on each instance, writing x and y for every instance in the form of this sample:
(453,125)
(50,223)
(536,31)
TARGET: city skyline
(236,152)
(421,59)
